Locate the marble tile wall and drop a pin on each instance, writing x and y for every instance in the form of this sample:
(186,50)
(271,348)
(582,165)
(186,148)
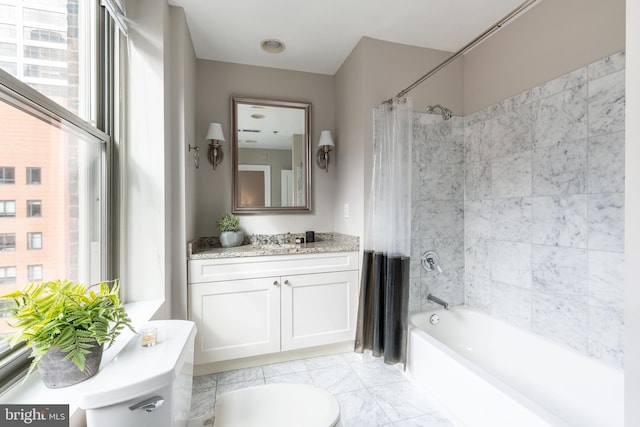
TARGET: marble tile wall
(544,209)
(437,208)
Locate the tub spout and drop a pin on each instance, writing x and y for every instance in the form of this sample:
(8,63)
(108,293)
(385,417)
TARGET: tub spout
(433,298)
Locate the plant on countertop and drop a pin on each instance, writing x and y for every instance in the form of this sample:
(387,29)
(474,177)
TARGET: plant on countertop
(230,233)
(66,315)
(228,222)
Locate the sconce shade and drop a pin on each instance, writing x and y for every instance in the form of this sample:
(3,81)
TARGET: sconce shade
(215,132)
(215,153)
(326,139)
(325,145)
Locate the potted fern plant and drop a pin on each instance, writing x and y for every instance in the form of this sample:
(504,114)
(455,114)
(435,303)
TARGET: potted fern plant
(66,325)
(230,233)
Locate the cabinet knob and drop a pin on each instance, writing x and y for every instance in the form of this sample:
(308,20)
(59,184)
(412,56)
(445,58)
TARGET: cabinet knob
(275,283)
(286,282)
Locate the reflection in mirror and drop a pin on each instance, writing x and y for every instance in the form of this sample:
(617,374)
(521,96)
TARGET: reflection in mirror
(271,155)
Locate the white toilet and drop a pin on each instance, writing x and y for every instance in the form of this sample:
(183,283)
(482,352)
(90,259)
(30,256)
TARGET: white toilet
(146,386)
(277,405)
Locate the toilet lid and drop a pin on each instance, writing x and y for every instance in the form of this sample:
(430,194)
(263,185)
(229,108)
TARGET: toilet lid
(277,405)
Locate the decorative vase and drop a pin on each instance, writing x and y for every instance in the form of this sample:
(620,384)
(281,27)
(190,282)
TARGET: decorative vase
(57,372)
(229,239)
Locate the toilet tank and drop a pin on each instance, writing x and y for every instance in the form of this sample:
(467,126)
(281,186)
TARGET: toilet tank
(146,386)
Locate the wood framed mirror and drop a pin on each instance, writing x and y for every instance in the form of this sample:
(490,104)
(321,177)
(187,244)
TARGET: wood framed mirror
(271,149)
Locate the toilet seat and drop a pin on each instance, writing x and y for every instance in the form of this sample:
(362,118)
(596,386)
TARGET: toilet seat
(277,405)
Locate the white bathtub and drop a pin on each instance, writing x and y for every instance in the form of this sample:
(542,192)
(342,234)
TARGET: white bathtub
(487,373)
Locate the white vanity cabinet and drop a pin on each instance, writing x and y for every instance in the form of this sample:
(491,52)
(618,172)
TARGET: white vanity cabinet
(249,306)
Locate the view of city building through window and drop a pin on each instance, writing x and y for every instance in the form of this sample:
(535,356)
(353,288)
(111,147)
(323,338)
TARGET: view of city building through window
(51,175)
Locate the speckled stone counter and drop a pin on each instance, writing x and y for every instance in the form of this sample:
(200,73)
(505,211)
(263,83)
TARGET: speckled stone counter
(272,244)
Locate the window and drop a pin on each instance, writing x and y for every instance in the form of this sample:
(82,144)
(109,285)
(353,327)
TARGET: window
(72,118)
(34,208)
(9,67)
(7,275)
(8,49)
(44,35)
(34,273)
(7,12)
(7,242)
(7,208)
(5,309)
(34,240)
(7,30)
(45,17)
(45,53)
(7,175)
(34,175)
(45,71)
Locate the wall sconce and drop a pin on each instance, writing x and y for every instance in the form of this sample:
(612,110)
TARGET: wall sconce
(325,145)
(215,154)
(196,155)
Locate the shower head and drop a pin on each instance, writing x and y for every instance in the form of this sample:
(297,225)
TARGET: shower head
(446,113)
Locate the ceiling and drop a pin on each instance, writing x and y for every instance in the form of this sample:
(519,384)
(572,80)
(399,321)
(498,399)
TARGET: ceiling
(320,34)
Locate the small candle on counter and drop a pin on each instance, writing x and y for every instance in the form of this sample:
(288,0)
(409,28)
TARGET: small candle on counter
(149,336)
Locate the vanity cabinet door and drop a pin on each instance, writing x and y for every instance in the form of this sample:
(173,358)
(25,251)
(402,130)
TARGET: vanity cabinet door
(318,309)
(235,318)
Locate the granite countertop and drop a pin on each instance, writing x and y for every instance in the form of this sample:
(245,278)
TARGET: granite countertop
(272,244)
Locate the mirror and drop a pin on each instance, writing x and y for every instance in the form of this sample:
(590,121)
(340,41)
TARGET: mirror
(271,148)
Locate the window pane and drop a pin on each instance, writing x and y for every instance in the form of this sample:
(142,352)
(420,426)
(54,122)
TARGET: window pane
(7,30)
(48,45)
(9,67)
(70,165)
(7,208)
(33,175)
(45,35)
(34,273)
(7,13)
(34,208)
(8,49)
(45,53)
(7,175)
(7,275)
(45,17)
(7,242)
(34,240)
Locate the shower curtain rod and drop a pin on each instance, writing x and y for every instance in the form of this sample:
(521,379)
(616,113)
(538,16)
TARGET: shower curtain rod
(467,47)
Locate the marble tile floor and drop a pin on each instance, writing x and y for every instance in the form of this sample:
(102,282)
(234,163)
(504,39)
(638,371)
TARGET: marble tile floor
(369,392)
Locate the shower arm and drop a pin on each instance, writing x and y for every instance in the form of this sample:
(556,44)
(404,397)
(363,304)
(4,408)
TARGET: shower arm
(466,48)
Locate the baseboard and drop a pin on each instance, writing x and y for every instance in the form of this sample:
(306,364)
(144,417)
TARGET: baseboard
(285,356)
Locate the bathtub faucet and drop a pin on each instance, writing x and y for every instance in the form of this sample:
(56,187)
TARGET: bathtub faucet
(433,298)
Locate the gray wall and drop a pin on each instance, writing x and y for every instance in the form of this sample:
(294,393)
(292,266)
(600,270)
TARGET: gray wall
(550,40)
(377,70)
(216,83)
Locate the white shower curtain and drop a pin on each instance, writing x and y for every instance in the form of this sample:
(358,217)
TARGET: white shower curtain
(384,290)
